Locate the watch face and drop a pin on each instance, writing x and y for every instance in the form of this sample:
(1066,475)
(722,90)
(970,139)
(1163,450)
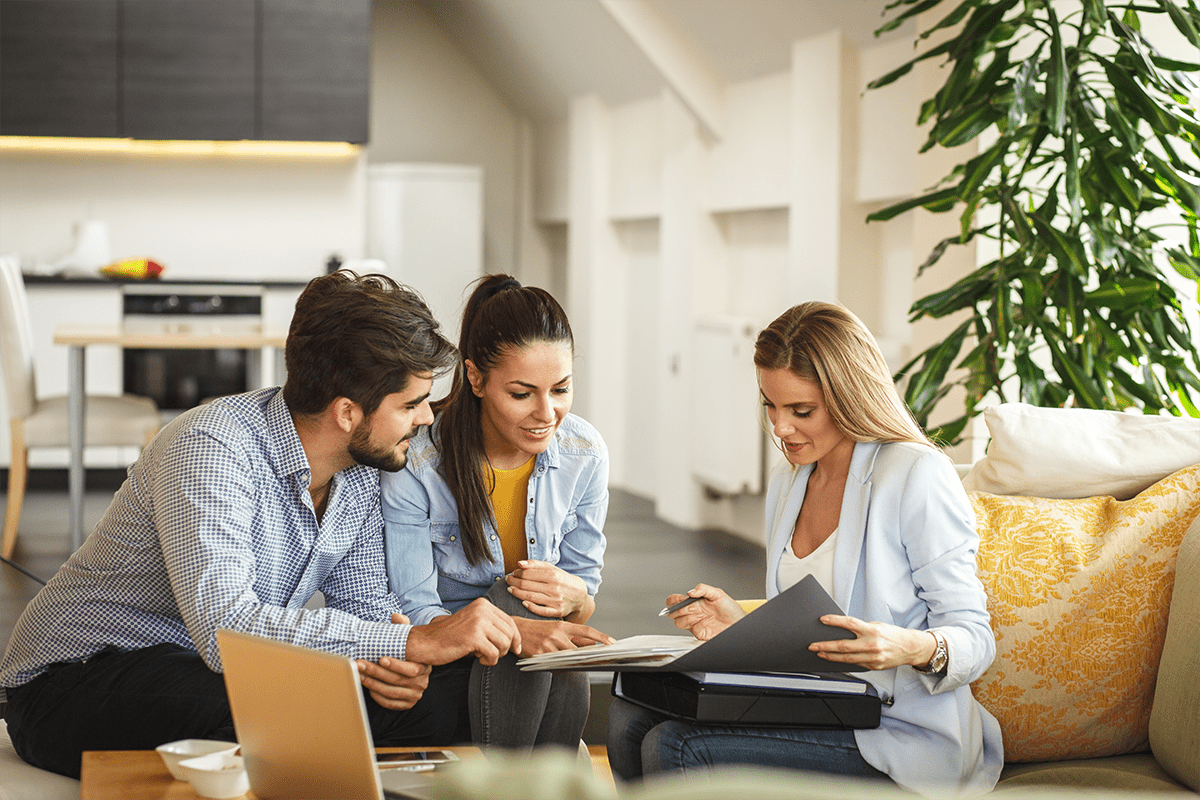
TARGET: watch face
(939,657)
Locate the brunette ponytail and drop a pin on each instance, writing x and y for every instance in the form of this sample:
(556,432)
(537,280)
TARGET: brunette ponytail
(500,315)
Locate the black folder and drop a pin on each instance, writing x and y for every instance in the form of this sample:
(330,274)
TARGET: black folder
(683,697)
(772,638)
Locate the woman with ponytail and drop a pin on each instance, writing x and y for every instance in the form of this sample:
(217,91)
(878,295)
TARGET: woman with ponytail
(505,497)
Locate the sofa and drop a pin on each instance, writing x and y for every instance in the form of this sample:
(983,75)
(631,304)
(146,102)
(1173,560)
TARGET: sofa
(1090,551)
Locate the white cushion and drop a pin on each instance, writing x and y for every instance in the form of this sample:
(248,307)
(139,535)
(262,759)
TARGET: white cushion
(125,420)
(1077,452)
(19,781)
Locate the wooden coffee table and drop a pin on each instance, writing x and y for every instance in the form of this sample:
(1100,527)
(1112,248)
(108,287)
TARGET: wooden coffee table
(141,775)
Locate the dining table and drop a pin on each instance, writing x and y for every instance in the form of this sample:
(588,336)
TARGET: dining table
(78,337)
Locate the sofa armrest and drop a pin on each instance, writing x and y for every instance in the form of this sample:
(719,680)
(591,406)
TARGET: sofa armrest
(1175,715)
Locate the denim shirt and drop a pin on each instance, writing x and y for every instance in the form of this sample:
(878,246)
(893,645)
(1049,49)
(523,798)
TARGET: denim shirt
(567,502)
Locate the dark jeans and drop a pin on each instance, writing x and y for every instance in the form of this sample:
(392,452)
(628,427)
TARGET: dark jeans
(139,699)
(519,710)
(643,742)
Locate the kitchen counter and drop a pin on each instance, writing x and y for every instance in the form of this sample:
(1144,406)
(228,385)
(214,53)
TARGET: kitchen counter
(38,279)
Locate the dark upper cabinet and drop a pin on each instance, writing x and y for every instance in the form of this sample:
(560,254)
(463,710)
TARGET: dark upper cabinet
(188,70)
(315,70)
(59,68)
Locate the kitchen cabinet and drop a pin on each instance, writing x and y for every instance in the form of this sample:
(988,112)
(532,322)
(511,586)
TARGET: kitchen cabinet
(59,68)
(315,70)
(294,70)
(188,69)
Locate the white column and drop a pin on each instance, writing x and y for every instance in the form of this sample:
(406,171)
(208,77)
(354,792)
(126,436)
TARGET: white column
(597,280)
(678,497)
(816,168)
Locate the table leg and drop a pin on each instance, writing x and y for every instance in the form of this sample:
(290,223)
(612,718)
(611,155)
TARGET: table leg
(75,436)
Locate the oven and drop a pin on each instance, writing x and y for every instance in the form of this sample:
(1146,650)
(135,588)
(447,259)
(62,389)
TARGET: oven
(180,379)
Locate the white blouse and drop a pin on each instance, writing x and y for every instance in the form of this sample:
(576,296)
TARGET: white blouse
(818,563)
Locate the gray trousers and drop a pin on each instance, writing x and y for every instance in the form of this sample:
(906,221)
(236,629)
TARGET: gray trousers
(519,710)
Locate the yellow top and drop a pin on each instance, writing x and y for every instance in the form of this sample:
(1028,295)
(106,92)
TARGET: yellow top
(508,504)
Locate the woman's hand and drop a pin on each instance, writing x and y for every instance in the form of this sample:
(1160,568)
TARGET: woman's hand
(876,645)
(549,591)
(550,635)
(705,619)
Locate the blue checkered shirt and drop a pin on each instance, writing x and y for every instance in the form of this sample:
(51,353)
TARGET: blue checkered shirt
(215,528)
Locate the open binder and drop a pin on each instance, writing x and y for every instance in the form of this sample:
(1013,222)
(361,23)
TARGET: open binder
(773,638)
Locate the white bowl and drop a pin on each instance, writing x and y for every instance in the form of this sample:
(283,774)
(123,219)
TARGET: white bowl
(218,775)
(174,752)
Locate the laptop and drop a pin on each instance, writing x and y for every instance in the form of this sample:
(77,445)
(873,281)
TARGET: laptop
(302,724)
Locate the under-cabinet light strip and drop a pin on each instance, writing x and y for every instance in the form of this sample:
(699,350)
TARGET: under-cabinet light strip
(243,147)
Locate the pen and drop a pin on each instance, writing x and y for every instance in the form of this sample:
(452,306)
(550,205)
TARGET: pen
(671,609)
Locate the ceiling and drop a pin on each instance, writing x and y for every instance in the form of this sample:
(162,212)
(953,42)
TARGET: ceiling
(541,53)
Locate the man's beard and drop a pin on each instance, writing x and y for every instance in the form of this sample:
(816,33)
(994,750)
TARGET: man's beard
(364,452)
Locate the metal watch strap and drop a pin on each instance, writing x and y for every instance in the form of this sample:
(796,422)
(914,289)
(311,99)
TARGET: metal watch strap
(937,663)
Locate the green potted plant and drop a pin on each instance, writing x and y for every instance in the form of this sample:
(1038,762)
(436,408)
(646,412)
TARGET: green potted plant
(1086,181)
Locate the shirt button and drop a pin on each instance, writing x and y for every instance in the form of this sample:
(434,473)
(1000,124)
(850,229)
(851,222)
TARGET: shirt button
(533,541)
(493,537)
(453,538)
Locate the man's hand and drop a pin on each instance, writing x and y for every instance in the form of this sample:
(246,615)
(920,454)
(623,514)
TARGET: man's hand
(549,635)
(479,629)
(393,683)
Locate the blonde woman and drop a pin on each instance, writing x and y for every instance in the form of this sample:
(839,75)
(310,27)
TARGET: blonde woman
(867,505)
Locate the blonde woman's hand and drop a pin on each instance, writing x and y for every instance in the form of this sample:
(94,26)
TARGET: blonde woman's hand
(876,645)
(707,617)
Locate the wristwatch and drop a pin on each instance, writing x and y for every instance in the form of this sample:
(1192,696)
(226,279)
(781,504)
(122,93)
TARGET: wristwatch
(937,664)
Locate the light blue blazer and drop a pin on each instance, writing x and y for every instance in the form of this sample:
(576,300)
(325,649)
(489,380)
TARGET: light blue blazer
(905,555)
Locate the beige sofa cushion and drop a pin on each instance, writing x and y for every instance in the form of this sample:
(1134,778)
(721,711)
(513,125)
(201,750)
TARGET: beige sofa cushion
(1080,452)
(19,781)
(1175,719)
(1077,591)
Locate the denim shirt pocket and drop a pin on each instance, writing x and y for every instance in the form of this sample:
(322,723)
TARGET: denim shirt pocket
(448,552)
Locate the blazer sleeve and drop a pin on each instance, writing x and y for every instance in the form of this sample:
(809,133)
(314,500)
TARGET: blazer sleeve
(937,527)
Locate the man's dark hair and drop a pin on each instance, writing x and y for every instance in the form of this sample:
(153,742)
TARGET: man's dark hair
(359,338)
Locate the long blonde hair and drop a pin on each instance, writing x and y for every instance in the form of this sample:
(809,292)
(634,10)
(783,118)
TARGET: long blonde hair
(826,344)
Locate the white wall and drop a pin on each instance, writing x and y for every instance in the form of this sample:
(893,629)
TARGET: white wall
(200,216)
(667,227)
(430,104)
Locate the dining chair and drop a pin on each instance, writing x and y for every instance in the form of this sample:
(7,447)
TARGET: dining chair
(110,420)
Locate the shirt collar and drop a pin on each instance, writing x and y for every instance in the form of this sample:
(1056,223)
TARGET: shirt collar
(289,452)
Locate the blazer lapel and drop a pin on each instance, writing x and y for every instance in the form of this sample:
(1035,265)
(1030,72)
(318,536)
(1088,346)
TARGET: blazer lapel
(787,509)
(852,524)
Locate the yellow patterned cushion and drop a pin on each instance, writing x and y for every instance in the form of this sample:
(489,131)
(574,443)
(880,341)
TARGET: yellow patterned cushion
(1079,592)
